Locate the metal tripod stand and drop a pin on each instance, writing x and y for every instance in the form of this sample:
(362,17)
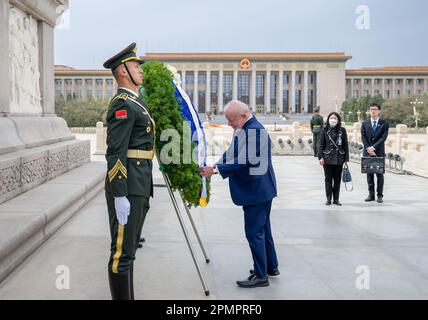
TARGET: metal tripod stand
(183,227)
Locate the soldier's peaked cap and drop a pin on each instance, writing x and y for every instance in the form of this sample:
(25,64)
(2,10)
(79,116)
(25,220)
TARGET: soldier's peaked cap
(127,54)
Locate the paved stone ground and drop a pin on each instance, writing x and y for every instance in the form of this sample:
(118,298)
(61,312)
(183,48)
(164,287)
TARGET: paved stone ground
(319,247)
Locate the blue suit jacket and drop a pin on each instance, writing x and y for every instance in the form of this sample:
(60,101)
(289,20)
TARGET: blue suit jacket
(249,169)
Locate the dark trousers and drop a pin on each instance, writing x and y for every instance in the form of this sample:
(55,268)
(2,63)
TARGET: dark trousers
(333,176)
(316,144)
(259,236)
(124,239)
(145,210)
(371,183)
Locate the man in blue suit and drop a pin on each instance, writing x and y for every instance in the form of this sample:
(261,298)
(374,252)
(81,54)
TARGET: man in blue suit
(248,165)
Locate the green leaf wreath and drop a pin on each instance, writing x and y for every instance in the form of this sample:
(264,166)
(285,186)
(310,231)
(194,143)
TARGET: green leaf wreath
(159,94)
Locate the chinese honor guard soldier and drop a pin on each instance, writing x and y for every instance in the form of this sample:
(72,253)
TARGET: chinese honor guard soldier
(129,183)
(317,123)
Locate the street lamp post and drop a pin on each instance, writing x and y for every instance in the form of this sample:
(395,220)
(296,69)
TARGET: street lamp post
(416,103)
(336,100)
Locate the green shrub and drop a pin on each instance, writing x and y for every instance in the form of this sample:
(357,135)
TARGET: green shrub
(400,111)
(160,97)
(395,111)
(81,113)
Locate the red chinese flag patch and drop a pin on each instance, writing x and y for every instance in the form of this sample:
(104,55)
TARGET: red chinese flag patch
(121,114)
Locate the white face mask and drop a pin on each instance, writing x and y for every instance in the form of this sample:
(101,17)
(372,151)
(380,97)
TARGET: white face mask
(333,122)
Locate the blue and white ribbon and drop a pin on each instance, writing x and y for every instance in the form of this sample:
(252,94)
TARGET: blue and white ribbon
(190,114)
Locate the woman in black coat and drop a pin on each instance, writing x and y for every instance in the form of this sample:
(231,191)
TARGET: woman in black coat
(333,154)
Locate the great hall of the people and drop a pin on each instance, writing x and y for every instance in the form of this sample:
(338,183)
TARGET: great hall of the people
(270,83)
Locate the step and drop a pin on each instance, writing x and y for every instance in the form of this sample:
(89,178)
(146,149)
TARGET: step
(28,220)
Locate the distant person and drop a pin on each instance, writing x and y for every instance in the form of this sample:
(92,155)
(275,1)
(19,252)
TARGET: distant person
(333,154)
(317,124)
(374,133)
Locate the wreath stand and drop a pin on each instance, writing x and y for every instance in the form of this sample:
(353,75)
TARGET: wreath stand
(183,227)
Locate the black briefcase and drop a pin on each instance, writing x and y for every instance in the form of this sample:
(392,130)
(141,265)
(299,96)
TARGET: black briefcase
(373,165)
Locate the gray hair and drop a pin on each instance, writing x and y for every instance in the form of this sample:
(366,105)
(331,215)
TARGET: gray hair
(237,107)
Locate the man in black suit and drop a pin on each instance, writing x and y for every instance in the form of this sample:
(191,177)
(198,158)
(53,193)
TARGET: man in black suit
(374,133)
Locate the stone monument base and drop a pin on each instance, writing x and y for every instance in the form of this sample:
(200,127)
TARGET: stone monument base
(36,149)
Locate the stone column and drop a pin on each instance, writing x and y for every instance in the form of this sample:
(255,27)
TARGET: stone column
(352,88)
(208,92)
(401,132)
(220,89)
(46,67)
(73,86)
(362,85)
(426,85)
(63,87)
(183,80)
(253,89)
(196,89)
(372,87)
(280,92)
(305,92)
(94,87)
(414,86)
(4,58)
(84,92)
(318,88)
(235,84)
(266,109)
(356,132)
(393,88)
(115,87)
(293,92)
(104,88)
(383,88)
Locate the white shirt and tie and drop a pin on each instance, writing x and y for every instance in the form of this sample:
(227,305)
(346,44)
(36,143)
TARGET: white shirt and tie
(374,126)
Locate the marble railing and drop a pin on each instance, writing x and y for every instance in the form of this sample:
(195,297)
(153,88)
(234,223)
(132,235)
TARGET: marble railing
(410,149)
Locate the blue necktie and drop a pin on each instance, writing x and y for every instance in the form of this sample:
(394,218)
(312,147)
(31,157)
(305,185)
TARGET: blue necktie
(374,126)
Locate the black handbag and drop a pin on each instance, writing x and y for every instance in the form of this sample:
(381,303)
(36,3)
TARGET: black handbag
(373,165)
(347,178)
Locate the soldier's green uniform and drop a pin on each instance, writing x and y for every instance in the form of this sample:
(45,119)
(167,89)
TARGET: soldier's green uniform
(317,123)
(130,144)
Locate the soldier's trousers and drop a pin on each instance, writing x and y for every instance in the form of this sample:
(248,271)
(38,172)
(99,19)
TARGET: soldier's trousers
(124,239)
(316,144)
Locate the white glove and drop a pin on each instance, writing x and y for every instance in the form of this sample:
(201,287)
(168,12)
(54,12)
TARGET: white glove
(123,208)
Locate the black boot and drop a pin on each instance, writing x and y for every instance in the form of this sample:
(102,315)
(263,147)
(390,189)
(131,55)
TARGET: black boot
(120,285)
(132,281)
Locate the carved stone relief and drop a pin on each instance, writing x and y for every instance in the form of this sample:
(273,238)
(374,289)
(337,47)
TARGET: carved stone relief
(24,63)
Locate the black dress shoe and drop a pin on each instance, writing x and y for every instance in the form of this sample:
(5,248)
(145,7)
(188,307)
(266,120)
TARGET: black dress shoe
(370,198)
(380,199)
(140,243)
(328,203)
(253,282)
(337,203)
(271,273)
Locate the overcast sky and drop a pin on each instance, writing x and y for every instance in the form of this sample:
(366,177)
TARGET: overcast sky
(94,30)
